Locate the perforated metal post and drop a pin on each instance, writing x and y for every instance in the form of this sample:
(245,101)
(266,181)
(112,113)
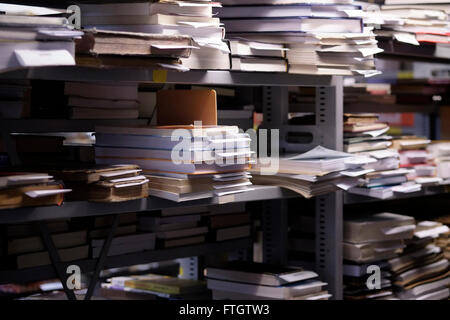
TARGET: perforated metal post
(275,226)
(329,208)
(190,267)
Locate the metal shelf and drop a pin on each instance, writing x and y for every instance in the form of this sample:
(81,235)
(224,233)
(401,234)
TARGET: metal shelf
(71,209)
(426,191)
(62,125)
(198,77)
(48,272)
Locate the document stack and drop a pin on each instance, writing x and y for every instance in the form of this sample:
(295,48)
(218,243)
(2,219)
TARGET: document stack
(368,242)
(316,172)
(258,281)
(35,36)
(443,240)
(104,183)
(158,286)
(414,23)
(182,162)
(321,38)
(422,272)
(171,18)
(102,100)
(174,227)
(29,189)
(441,157)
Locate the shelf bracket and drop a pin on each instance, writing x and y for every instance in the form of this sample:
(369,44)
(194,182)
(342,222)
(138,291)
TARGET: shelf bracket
(55,259)
(102,258)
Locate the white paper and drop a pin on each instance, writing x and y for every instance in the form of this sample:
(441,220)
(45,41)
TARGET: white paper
(172,46)
(346,184)
(26,177)
(118,173)
(435,232)
(399,229)
(356,172)
(226,193)
(131,184)
(320,152)
(370,51)
(38,58)
(198,24)
(383,154)
(428,180)
(406,38)
(15,9)
(376,133)
(235,185)
(45,193)
(128,179)
(177,67)
(409,188)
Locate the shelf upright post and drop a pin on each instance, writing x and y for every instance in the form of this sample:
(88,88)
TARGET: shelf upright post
(329,208)
(275,212)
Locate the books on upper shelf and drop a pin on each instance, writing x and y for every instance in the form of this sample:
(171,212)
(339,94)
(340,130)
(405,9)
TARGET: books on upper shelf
(125,244)
(102,101)
(34,37)
(19,189)
(169,19)
(256,281)
(105,183)
(319,37)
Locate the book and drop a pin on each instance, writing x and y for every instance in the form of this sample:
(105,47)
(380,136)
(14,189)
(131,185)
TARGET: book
(294,24)
(33,244)
(378,227)
(36,259)
(32,196)
(181,233)
(228,220)
(161,19)
(259,273)
(257,64)
(372,251)
(178,242)
(230,233)
(363,127)
(165,284)
(257,49)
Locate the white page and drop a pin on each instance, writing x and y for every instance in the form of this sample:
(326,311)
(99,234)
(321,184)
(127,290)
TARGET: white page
(235,185)
(45,193)
(118,173)
(406,38)
(356,172)
(407,188)
(128,179)
(383,154)
(15,9)
(347,183)
(172,46)
(26,177)
(177,67)
(435,232)
(132,184)
(370,51)
(320,152)
(38,58)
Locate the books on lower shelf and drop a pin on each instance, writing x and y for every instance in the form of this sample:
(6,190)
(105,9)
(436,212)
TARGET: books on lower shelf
(160,286)
(255,281)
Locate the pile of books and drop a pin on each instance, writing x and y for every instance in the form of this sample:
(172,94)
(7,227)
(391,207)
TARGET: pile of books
(103,183)
(227,222)
(35,36)
(422,272)
(257,281)
(369,240)
(175,227)
(322,38)
(25,248)
(171,20)
(182,162)
(126,237)
(20,189)
(316,172)
(151,286)
(102,101)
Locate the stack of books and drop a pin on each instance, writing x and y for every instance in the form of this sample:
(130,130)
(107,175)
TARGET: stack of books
(228,222)
(322,38)
(20,189)
(103,183)
(257,281)
(25,248)
(316,172)
(35,36)
(172,19)
(158,286)
(422,272)
(182,162)
(15,99)
(124,241)
(102,101)
(369,240)
(174,227)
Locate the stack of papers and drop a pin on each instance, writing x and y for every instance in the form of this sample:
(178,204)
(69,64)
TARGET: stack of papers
(182,162)
(316,172)
(257,281)
(35,36)
(441,156)
(19,189)
(173,19)
(422,272)
(369,240)
(322,38)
